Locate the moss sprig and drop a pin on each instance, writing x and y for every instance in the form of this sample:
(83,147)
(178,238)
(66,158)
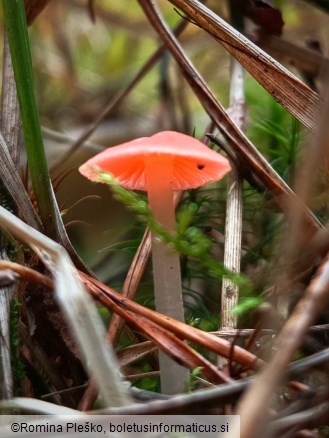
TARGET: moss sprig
(187,240)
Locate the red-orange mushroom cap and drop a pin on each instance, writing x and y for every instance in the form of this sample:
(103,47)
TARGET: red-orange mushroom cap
(192,164)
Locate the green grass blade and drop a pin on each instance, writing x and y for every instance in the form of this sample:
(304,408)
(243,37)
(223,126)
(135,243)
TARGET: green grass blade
(15,22)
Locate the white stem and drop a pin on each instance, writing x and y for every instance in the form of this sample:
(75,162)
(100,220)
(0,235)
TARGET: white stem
(166,268)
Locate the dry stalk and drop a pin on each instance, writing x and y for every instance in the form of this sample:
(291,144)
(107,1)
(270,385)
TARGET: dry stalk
(11,127)
(312,161)
(132,312)
(12,131)
(234,204)
(254,406)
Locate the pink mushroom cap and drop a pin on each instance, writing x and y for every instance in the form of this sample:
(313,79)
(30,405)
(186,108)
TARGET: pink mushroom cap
(191,162)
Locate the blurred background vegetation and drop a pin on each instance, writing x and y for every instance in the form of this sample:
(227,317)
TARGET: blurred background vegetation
(80,65)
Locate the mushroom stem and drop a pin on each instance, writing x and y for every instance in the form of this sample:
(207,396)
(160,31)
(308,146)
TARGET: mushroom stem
(166,267)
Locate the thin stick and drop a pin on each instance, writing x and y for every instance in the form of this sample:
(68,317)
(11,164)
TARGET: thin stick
(113,299)
(180,329)
(170,344)
(253,407)
(234,204)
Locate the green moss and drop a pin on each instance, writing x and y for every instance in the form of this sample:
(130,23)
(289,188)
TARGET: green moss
(188,240)
(193,379)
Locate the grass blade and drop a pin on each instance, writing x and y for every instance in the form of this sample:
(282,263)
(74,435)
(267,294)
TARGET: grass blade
(15,21)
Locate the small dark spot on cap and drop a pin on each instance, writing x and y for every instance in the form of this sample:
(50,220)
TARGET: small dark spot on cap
(200,166)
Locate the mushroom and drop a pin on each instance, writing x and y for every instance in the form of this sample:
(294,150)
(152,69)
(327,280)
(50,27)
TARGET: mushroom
(160,165)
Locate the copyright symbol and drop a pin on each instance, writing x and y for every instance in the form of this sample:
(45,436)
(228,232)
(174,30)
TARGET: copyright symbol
(14,427)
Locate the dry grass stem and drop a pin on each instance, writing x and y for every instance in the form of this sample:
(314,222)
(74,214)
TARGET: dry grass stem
(254,406)
(234,204)
(287,89)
